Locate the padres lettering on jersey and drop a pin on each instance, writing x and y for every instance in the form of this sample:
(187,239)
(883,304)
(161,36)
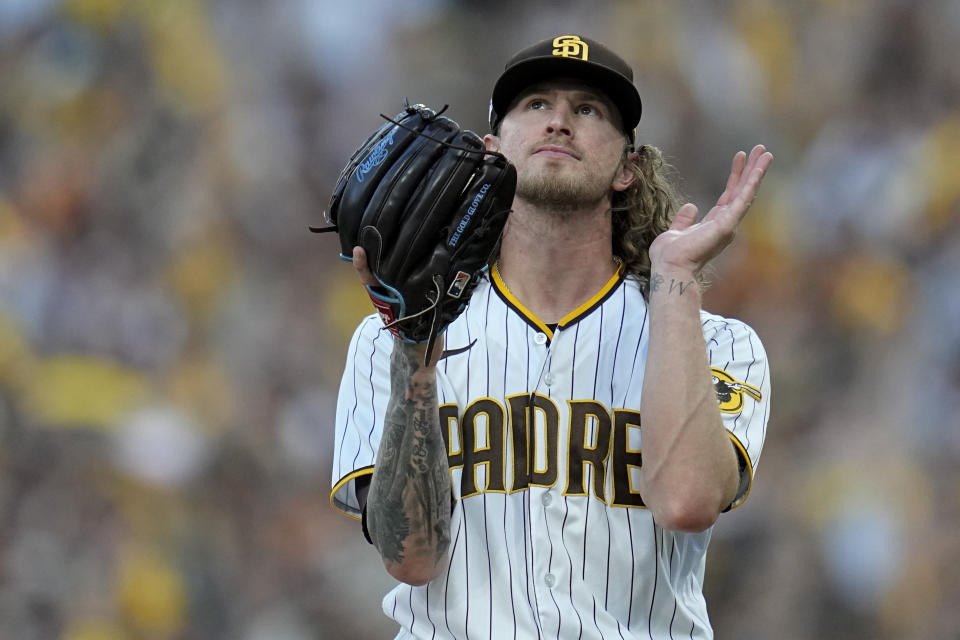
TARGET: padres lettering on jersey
(549,535)
(592,431)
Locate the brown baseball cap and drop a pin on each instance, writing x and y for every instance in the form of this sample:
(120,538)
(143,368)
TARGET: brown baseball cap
(569,56)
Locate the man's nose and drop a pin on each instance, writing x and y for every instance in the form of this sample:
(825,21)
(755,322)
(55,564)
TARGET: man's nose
(559,121)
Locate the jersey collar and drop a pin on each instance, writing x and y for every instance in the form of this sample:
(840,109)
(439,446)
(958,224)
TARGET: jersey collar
(571,318)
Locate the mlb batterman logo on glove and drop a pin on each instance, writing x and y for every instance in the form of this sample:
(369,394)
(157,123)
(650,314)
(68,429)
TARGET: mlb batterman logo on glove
(427,203)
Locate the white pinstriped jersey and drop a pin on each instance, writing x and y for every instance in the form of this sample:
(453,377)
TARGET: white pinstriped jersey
(549,538)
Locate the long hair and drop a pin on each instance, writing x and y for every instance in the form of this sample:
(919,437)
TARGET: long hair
(643,211)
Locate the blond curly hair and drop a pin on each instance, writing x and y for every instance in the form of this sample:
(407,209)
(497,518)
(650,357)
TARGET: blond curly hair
(643,211)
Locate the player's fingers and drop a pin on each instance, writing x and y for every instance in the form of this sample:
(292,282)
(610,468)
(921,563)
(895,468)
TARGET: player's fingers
(736,168)
(746,195)
(764,160)
(363,270)
(759,158)
(750,162)
(736,171)
(741,196)
(685,217)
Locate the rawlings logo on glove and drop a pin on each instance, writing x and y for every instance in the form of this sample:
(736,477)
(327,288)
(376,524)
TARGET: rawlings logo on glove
(377,155)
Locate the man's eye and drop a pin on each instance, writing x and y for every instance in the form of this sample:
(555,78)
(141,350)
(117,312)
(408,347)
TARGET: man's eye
(537,104)
(587,110)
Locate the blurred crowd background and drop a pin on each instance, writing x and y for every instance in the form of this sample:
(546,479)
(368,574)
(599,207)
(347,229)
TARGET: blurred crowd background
(171,336)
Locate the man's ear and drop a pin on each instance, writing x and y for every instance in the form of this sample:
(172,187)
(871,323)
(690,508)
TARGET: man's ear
(491,142)
(627,172)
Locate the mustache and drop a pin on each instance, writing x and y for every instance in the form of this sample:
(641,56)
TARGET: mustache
(558,143)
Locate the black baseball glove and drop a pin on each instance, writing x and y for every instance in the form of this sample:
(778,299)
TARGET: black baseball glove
(427,203)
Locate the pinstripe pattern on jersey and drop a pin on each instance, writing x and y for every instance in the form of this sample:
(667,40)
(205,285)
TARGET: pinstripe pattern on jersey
(359,408)
(615,574)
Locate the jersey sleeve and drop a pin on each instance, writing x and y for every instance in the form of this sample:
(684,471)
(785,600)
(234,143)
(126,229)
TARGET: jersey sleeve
(361,404)
(741,378)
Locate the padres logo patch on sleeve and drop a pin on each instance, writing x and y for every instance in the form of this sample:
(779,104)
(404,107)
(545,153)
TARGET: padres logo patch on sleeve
(730,391)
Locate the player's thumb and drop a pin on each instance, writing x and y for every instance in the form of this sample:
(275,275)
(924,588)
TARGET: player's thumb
(363,269)
(685,217)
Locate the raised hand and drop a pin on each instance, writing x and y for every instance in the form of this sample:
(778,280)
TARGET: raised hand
(689,245)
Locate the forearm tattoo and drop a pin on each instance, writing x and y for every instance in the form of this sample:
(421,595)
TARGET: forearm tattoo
(408,508)
(674,286)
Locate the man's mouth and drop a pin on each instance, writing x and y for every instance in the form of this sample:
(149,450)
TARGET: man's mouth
(556,151)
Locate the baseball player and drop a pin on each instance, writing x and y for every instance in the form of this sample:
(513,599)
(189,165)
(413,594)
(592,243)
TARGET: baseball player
(556,470)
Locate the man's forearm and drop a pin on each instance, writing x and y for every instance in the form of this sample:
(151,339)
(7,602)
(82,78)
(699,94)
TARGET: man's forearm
(689,466)
(408,506)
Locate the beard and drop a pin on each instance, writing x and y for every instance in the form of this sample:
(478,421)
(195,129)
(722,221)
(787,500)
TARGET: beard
(561,191)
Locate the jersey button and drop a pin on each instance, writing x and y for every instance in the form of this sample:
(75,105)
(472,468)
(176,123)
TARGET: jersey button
(548,379)
(549,580)
(546,499)
(540,338)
